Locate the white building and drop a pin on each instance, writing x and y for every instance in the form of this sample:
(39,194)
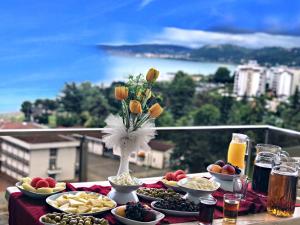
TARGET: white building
(158,157)
(250,80)
(281,81)
(37,155)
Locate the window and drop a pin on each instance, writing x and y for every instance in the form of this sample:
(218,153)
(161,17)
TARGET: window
(52,158)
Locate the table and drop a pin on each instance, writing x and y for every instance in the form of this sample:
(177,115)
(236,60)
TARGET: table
(257,219)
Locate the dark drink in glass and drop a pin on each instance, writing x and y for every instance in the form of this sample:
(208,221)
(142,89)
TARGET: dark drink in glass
(260,180)
(231,207)
(206,210)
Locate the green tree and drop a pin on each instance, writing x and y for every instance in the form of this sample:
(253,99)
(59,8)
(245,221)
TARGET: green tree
(181,93)
(26,108)
(222,75)
(71,98)
(207,115)
(165,120)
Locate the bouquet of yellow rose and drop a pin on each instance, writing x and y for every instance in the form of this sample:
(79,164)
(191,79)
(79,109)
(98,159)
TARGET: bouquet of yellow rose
(134,97)
(134,127)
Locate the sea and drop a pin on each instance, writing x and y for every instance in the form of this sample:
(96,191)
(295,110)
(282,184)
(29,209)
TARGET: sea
(99,69)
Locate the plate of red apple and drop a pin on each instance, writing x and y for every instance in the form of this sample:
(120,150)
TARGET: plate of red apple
(38,187)
(171,178)
(223,171)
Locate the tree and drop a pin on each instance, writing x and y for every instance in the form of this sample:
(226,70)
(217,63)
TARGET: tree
(295,99)
(222,75)
(166,119)
(180,94)
(71,98)
(207,115)
(26,108)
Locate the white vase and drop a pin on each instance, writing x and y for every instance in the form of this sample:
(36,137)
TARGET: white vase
(124,162)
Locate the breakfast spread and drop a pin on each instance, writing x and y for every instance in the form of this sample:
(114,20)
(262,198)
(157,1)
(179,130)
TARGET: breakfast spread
(224,168)
(41,185)
(82,202)
(71,219)
(171,178)
(199,183)
(125,179)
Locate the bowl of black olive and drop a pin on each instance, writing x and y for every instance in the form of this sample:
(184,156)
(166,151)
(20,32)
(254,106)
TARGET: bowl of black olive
(70,219)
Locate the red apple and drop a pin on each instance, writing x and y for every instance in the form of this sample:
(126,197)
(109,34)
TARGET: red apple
(35,180)
(42,183)
(170,176)
(180,176)
(51,182)
(178,172)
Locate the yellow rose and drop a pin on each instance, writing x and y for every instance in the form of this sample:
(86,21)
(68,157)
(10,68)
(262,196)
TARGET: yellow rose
(135,107)
(121,93)
(155,110)
(152,75)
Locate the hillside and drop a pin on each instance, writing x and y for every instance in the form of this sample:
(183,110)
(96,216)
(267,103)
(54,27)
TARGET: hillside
(215,53)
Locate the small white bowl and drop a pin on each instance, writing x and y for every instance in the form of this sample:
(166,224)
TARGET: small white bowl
(195,194)
(124,188)
(123,193)
(221,176)
(159,217)
(35,195)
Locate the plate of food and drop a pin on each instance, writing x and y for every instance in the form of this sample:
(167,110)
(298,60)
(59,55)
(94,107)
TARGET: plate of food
(196,187)
(176,207)
(171,178)
(40,188)
(223,171)
(66,218)
(155,194)
(81,202)
(137,214)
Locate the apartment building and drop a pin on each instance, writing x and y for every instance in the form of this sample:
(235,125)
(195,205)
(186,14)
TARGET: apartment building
(250,80)
(37,155)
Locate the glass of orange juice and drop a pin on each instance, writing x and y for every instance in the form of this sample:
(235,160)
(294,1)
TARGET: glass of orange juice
(237,150)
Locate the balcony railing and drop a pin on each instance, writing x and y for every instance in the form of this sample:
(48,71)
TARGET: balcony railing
(286,138)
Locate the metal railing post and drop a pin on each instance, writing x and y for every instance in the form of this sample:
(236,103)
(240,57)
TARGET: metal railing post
(267,136)
(83,160)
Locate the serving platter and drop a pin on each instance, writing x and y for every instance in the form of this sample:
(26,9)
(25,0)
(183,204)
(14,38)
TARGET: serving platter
(175,188)
(52,198)
(124,220)
(173,212)
(35,195)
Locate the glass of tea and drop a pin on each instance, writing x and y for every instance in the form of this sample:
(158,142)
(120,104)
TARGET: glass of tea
(206,210)
(282,192)
(231,207)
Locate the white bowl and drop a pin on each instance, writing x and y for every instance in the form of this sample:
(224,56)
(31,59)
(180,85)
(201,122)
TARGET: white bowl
(221,176)
(124,188)
(35,195)
(159,217)
(174,212)
(195,194)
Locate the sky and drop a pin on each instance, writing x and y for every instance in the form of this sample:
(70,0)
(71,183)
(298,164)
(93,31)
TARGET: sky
(44,44)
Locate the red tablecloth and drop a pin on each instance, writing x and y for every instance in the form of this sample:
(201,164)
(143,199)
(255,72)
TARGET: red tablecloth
(26,211)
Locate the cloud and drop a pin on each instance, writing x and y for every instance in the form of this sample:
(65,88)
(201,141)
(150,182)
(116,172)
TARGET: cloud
(144,3)
(198,38)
